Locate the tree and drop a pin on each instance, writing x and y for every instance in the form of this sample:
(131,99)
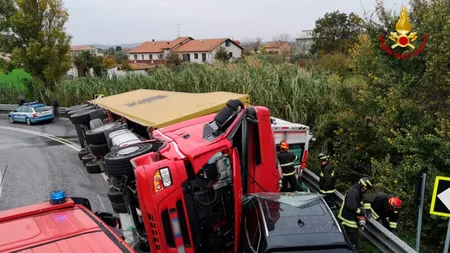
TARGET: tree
(252,45)
(282,38)
(336,32)
(33,32)
(222,55)
(86,61)
(173,59)
(109,62)
(118,48)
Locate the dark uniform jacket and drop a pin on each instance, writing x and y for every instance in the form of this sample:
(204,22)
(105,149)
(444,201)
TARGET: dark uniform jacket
(287,160)
(377,204)
(327,180)
(352,207)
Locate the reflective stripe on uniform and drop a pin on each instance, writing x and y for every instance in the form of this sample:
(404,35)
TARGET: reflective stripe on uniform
(321,174)
(286,164)
(393,225)
(375,215)
(332,173)
(367,206)
(326,192)
(289,174)
(358,211)
(345,222)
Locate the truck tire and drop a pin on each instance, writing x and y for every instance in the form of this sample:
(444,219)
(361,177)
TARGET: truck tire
(92,167)
(83,117)
(82,153)
(75,107)
(119,208)
(115,196)
(99,150)
(98,135)
(141,247)
(95,123)
(71,112)
(117,162)
(87,158)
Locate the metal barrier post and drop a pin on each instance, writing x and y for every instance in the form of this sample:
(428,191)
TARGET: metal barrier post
(419,219)
(447,238)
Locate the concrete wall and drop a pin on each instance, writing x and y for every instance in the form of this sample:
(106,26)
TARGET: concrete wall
(145,56)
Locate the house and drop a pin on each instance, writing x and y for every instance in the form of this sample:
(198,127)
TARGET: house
(189,49)
(154,52)
(277,47)
(135,69)
(304,42)
(76,50)
(199,51)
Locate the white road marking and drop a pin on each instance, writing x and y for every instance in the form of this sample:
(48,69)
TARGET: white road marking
(68,143)
(101,202)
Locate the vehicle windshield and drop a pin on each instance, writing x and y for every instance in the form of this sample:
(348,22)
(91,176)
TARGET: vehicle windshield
(298,199)
(43,108)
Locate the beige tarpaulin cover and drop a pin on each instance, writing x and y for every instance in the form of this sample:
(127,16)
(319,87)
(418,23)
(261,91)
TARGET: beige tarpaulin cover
(159,108)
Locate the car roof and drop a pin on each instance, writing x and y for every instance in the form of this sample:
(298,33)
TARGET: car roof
(288,215)
(64,227)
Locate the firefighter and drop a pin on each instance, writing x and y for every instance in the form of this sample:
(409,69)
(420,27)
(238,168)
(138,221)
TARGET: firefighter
(327,181)
(384,207)
(287,160)
(352,213)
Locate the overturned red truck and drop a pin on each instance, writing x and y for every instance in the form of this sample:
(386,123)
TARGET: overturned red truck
(210,184)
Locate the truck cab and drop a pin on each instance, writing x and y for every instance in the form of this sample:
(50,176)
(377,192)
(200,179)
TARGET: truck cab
(190,191)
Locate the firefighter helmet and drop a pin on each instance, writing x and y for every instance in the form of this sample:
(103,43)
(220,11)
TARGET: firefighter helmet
(366,182)
(395,203)
(284,145)
(323,157)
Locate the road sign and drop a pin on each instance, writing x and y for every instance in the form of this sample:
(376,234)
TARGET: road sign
(95,96)
(440,202)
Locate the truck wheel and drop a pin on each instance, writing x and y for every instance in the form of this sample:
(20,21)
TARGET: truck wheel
(99,150)
(141,247)
(95,123)
(117,162)
(115,196)
(119,208)
(83,117)
(87,158)
(98,135)
(92,167)
(82,153)
(71,112)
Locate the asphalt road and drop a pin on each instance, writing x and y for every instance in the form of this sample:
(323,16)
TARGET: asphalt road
(38,165)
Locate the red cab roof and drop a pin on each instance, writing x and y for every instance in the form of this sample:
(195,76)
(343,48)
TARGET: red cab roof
(49,228)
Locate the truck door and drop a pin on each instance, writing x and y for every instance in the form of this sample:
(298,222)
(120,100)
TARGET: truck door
(237,187)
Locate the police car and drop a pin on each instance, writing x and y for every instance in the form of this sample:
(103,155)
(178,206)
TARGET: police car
(31,113)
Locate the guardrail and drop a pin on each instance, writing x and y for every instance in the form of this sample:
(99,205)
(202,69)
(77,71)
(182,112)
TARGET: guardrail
(382,238)
(10,107)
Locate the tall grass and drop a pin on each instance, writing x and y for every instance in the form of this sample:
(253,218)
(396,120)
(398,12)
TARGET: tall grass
(287,90)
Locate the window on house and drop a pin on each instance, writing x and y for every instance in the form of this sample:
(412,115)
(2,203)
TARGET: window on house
(142,57)
(187,57)
(150,56)
(203,57)
(227,43)
(196,56)
(160,56)
(230,54)
(135,56)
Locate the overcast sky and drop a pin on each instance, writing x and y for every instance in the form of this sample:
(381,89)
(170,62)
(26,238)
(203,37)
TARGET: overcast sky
(133,21)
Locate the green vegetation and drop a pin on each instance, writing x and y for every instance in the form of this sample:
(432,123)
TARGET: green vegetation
(33,32)
(16,77)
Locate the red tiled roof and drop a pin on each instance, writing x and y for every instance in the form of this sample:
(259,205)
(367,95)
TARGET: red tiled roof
(200,45)
(140,66)
(275,44)
(157,46)
(237,42)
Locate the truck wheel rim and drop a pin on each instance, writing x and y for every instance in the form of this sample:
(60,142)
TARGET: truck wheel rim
(128,151)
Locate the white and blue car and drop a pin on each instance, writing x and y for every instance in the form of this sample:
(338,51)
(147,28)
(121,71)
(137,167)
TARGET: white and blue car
(31,113)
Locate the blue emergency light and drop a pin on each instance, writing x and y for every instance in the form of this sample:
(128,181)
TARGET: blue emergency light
(58,197)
